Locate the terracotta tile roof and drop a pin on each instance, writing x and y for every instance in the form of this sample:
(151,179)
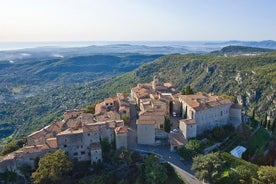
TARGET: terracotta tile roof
(72,113)
(145,122)
(51,142)
(188,121)
(100,107)
(204,101)
(108,100)
(108,115)
(177,139)
(121,130)
(168,84)
(70,131)
(124,108)
(90,128)
(38,134)
(87,118)
(152,113)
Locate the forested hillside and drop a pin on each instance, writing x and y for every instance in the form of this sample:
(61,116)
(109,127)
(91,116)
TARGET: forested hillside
(250,78)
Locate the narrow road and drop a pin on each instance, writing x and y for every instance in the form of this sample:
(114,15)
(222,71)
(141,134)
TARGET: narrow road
(163,152)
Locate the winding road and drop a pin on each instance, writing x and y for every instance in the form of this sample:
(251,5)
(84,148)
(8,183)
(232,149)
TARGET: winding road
(163,152)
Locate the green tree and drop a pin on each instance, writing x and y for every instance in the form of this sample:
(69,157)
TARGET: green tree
(13,146)
(218,133)
(26,171)
(273,125)
(246,173)
(267,174)
(253,114)
(167,124)
(265,121)
(191,149)
(171,107)
(208,167)
(125,118)
(9,176)
(268,125)
(91,108)
(155,172)
(187,91)
(181,109)
(185,113)
(106,147)
(102,178)
(52,168)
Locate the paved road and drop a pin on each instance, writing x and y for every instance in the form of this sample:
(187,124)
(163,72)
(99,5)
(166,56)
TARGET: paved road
(183,169)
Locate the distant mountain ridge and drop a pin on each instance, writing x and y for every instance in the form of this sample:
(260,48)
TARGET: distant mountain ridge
(241,50)
(270,44)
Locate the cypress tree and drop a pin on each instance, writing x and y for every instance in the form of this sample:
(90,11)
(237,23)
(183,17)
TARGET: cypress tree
(273,125)
(253,114)
(265,120)
(268,125)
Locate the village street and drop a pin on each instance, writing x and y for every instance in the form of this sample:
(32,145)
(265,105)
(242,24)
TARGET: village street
(162,151)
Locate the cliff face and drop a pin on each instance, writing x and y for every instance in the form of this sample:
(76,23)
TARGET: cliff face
(252,79)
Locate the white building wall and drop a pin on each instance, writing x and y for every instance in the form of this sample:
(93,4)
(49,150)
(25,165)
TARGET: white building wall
(96,155)
(212,117)
(146,134)
(75,146)
(121,140)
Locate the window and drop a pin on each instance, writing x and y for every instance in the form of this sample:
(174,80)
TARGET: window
(88,134)
(65,146)
(221,113)
(161,126)
(75,154)
(82,152)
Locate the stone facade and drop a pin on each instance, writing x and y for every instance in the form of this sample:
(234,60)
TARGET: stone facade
(207,111)
(78,134)
(121,137)
(188,128)
(26,155)
(146,132)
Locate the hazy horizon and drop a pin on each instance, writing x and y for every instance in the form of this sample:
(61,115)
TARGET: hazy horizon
(70,20)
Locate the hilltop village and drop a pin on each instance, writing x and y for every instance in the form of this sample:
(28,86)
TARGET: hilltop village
(149,106)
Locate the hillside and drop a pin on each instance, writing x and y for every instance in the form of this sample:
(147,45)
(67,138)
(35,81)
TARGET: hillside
(29,77)
(250,78)
(240,50)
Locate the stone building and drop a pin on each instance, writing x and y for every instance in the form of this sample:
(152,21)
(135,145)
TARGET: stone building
(151,90)
(121,137)
(27,155)
(155,101)
(206,111)
(79,134)
(146,131)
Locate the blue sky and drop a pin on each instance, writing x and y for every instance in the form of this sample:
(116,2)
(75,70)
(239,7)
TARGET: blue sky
(137,20)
